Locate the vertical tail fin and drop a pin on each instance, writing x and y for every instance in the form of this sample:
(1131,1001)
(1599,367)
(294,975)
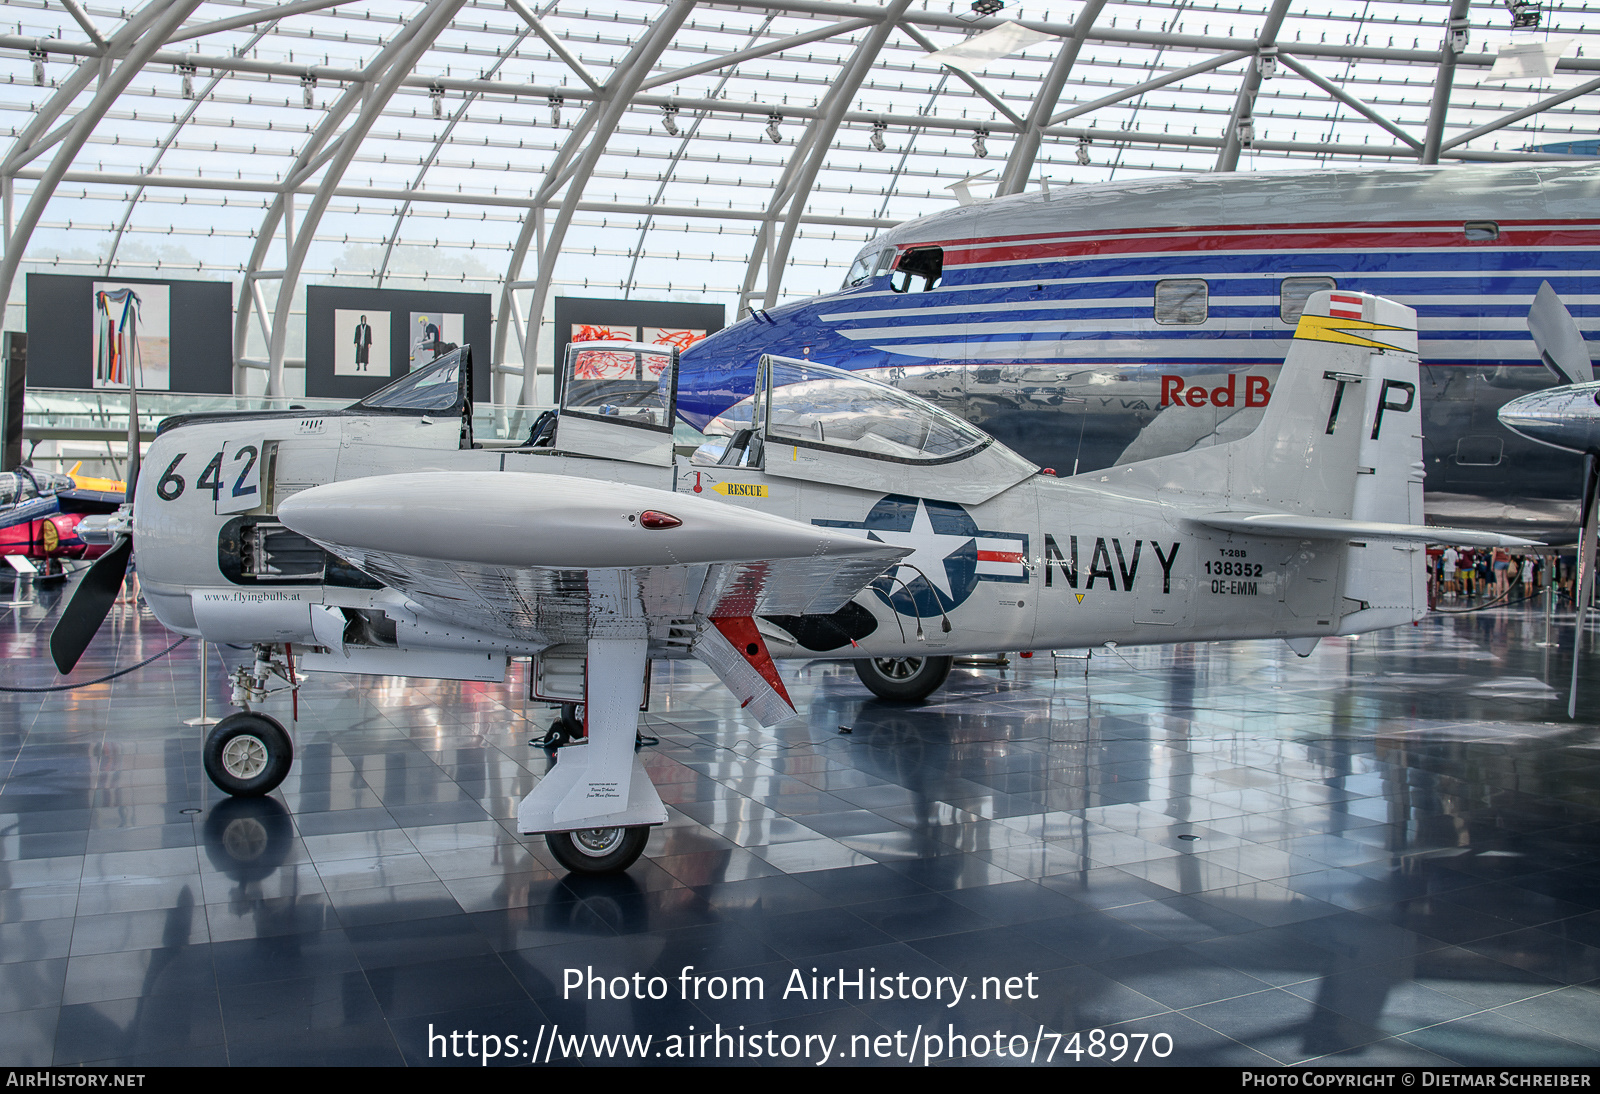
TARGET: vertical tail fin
(1345,409)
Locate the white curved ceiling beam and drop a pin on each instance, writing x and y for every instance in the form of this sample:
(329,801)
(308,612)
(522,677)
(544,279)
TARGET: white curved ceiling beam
(1244,104)
(784,189)
(311,153)
(250,19)
(1443,81)
(600,122)
(34,140)
(444,139)
(840,95)
(1025,149)
(135,49)
(677,155)
(433,20)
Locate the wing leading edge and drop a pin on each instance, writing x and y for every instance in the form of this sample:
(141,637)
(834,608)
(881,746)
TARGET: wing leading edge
(544,560)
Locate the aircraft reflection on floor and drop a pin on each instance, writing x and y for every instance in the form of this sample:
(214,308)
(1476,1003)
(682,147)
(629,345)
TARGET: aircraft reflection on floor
(1385,853)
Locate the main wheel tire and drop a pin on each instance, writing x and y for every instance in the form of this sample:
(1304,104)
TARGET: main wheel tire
(248,754)
(598,850)
(903,679)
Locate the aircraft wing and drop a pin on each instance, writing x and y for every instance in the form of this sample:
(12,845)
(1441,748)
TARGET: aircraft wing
(541,560)
(1314,527)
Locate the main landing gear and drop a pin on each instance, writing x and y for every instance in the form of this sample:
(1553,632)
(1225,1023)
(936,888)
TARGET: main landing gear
(596,806)
(903,679)
(598,850)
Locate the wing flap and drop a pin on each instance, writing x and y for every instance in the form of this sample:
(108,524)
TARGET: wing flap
(736,652)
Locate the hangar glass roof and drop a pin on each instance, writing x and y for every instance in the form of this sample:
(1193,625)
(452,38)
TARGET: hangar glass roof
(684,149)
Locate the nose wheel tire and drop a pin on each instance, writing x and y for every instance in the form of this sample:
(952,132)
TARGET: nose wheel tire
(598,850)
(247,754)
(903,679)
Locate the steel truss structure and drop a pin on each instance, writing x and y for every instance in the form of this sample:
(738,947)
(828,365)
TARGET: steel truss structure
(689,149)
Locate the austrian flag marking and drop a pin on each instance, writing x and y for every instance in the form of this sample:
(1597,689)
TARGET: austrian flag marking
(1345,312)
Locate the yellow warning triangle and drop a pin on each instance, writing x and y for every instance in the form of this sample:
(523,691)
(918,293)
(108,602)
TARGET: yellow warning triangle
(1079,596)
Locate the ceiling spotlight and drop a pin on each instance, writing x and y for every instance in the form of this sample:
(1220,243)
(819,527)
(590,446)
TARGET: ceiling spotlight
(1459,33)
(1246,131)
(979,147)
(1524,13)
(555,110)
(878,130)
(187,72)
(986,7)
(1267,62)
(436,93)
(1083,151)
(308,84)
(772,127)
(669,119)
(38,56)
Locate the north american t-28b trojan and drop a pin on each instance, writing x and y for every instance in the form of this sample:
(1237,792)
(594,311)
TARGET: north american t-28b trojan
(828,515)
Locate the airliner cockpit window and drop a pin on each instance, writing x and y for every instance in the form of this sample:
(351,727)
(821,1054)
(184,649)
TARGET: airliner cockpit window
(860,272)
(814,406)
(918,270)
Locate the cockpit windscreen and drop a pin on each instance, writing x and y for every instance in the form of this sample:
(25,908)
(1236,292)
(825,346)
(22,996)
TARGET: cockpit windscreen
(432,389)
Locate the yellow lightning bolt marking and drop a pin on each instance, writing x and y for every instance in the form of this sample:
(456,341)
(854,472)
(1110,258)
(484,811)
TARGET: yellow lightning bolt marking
(1327,328)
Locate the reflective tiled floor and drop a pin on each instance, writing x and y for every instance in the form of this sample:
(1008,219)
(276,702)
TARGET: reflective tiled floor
(1388,852)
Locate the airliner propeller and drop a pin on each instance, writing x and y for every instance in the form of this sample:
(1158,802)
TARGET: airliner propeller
(1565,416)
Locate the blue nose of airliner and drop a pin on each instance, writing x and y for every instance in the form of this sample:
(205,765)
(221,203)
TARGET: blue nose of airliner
(1563,417)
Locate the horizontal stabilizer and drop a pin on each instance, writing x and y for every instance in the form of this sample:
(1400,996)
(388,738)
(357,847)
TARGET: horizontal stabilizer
(1314,527)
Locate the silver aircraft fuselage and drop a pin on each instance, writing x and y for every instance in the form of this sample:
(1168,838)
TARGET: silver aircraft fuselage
(1067,322)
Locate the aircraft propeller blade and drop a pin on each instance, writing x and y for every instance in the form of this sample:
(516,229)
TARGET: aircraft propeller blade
(1560,342)
(89,605)
(1586,548)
